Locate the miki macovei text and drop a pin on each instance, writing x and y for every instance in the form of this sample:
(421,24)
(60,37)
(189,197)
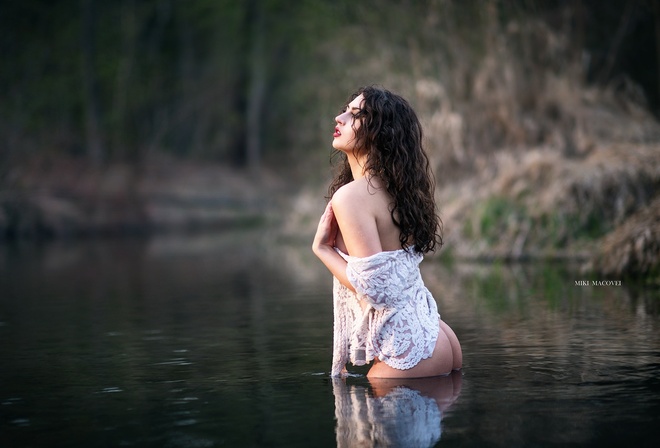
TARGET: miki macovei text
(598,283)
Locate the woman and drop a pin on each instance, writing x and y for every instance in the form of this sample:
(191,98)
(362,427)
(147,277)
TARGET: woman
(380,221)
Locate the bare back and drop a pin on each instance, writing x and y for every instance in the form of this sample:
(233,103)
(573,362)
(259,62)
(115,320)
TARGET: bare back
(362,208)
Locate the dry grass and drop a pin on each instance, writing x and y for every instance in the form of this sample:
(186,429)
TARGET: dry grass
(632,248)
(610,183)
(543,203)
(531,162)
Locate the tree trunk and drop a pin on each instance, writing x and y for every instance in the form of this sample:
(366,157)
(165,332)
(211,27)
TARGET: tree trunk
(256,91)
(128,28)
(95,150)
(656,17)
(617,41)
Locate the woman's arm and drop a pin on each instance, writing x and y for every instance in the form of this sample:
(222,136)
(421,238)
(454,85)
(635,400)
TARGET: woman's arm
(324,246)
(349,212)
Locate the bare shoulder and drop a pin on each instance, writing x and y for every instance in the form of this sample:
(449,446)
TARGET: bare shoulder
(366,205)
(350,198)
(352,205)
(359,190)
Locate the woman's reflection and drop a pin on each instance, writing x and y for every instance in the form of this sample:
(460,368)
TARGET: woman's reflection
(393,412)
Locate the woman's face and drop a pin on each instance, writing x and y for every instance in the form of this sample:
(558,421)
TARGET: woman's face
(344,136)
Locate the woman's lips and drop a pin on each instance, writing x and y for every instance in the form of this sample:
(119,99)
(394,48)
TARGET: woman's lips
(337,133)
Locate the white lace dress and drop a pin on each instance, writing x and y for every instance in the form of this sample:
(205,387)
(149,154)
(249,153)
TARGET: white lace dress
(398,320)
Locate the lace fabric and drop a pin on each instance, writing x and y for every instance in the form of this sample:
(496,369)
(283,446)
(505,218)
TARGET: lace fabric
(391,316)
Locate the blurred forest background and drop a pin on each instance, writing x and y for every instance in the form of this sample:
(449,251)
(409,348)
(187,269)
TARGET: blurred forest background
(136,116)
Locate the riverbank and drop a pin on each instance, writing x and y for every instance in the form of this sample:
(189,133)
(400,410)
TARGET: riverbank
(540,204)
(601,208)
(543,204)
(66,198)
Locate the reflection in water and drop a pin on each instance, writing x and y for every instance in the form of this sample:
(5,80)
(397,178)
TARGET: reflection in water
(209,340)
(393,412)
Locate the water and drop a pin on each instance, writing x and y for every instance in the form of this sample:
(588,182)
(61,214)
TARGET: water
(225,340)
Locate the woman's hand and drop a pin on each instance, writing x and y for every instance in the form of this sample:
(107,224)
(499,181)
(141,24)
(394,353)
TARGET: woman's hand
(324,246)
(326,233)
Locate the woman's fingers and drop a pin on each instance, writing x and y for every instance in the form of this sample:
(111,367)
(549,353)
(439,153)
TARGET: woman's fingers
(328,213)
(327,229)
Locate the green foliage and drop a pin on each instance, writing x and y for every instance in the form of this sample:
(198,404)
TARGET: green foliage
(558,229)
(497,216)
(499,220)
(178,76)
(551,228)
(594,226)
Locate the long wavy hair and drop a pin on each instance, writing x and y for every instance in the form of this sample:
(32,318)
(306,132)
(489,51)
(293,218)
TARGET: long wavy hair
(391,135)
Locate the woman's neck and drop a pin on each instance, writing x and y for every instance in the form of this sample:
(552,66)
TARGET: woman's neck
(357,165)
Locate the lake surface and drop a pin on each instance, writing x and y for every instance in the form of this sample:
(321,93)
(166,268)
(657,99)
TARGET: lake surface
(225,340)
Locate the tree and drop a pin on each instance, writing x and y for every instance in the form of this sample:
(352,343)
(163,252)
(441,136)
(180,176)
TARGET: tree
(94,139)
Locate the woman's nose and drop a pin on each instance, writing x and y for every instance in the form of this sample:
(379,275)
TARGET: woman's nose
(339,119)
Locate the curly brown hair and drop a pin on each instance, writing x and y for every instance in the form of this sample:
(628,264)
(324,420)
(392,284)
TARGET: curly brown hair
(391,136)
